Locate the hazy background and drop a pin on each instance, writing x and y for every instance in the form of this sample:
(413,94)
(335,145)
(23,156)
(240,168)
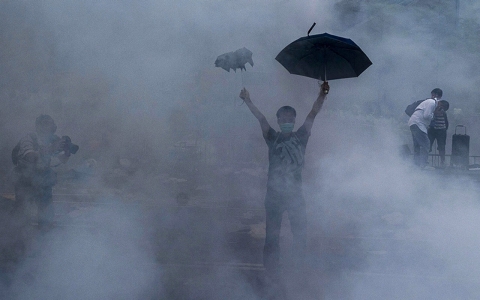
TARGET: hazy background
(131,80)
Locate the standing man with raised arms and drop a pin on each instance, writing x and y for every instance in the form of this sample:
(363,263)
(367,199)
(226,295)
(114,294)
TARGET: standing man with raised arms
(286,152)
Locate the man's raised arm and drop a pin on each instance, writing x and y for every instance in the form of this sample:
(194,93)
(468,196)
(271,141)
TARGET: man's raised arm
(245,96)
(317,105)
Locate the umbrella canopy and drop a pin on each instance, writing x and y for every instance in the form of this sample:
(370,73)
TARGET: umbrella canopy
(235,60)
(324,56)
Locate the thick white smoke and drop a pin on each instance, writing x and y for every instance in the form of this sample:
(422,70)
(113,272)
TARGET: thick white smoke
(132,82)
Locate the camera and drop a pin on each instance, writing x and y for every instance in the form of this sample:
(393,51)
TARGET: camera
(68,145)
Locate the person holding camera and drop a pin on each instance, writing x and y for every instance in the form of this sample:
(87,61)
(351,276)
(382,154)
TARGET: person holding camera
(34,177)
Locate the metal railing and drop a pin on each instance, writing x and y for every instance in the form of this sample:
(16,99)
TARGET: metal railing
(435,161)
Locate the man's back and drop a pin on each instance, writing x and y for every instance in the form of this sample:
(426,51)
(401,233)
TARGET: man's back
(423,115)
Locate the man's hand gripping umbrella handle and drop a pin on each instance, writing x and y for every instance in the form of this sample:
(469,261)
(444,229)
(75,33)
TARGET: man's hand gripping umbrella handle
(325,88)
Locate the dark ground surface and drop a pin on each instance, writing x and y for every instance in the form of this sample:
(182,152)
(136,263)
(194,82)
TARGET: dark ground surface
(213,249)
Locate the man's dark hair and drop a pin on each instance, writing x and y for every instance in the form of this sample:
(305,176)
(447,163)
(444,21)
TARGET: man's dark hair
(445,104)
(286,109)
(42,120)
(438,92)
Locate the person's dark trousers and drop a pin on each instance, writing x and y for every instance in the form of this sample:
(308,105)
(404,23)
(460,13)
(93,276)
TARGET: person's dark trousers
(275,204)
(421,145)
(45,207)
(24,193)
(41,196)
(441,136)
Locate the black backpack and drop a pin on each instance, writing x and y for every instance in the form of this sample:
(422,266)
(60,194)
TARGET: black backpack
(411,108)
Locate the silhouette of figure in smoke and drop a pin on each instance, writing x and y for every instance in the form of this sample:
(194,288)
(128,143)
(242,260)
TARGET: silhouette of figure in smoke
(420,121)
(286,151)
(438,129)
(33,174)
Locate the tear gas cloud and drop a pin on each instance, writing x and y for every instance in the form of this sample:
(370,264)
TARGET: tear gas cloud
(130,80)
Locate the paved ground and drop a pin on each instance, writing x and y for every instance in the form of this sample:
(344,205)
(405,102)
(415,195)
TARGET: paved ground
(208,249)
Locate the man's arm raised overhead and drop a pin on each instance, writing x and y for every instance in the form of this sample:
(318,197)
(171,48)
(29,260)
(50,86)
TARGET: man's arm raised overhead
(317,106)
(245,96)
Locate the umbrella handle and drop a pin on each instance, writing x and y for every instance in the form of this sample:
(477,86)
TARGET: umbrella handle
(243,85)
(308,33)
(325,91)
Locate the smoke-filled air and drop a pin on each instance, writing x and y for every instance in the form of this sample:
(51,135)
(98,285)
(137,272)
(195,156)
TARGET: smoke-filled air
(143,154)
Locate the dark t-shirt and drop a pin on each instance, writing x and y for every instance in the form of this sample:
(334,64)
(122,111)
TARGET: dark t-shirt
(286,159)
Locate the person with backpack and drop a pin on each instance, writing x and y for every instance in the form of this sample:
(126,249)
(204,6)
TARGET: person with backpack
(438,129)
(34,177)
(419,122)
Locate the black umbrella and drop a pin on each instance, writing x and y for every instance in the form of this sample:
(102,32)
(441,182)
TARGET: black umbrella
(324,56)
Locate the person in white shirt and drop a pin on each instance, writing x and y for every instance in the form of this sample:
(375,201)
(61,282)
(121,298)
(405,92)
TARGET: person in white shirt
(419,123)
